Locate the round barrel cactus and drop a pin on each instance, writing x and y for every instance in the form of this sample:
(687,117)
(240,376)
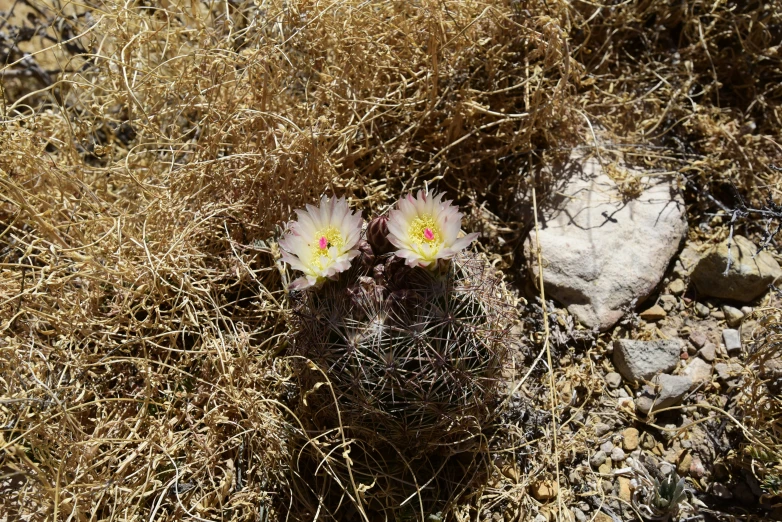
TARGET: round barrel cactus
(413,354)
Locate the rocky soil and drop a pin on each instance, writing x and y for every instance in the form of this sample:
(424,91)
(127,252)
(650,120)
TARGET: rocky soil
(669,324)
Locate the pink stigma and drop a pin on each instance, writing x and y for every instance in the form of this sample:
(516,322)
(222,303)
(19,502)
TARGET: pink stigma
(323,243)
(428,234)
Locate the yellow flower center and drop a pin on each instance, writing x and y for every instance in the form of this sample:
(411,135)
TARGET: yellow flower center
(324,240)
(423,229)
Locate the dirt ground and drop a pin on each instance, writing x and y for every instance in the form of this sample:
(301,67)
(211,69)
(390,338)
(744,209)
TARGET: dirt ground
(152,152)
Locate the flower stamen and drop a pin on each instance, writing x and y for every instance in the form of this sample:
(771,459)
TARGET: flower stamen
(423,229)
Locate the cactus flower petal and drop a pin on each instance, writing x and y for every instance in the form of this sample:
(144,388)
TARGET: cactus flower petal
(322,241)
(425,229)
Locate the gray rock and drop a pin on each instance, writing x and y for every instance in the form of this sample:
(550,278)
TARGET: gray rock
(595,264)
(637,360)
(579,515)
(698,339)
(677,287)
(671,389)
(618,454)
(732,340)
(749,275)
(607,447)
(613,380)
(597,459)
(701,310)
(601,429)
(698,370)
(733,316)
(727,371)
(709,352)
(669,303)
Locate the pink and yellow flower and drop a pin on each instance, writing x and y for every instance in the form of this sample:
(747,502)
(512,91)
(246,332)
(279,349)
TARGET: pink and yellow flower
(322,242)
(425,229)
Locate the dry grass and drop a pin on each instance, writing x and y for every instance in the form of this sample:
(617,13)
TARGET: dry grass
(147,160)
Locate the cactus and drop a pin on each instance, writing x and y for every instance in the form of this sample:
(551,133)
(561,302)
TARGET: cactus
(412,354)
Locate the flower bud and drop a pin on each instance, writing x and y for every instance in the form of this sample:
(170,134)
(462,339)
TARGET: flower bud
(377,233)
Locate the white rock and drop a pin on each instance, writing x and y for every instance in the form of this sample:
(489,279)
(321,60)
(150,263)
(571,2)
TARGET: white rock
(602,251)
(733,316)
(698,370)
(618,454)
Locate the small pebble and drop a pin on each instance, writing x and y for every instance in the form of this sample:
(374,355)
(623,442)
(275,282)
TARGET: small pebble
(625,493)
(677,287)
(613,379)
(669,303)
(732,341)
(647,441)
(709,352)
(685,461)
(733,316)
(544,490)
(718,314)
(607,446)
(630,439)
(597,459)
(701,310)
(698,370)
(653,314)
(698,339)
(746,310)
(618,454)
(601,429)
(697,470)
(666,468)
(579,515)
(727,371)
